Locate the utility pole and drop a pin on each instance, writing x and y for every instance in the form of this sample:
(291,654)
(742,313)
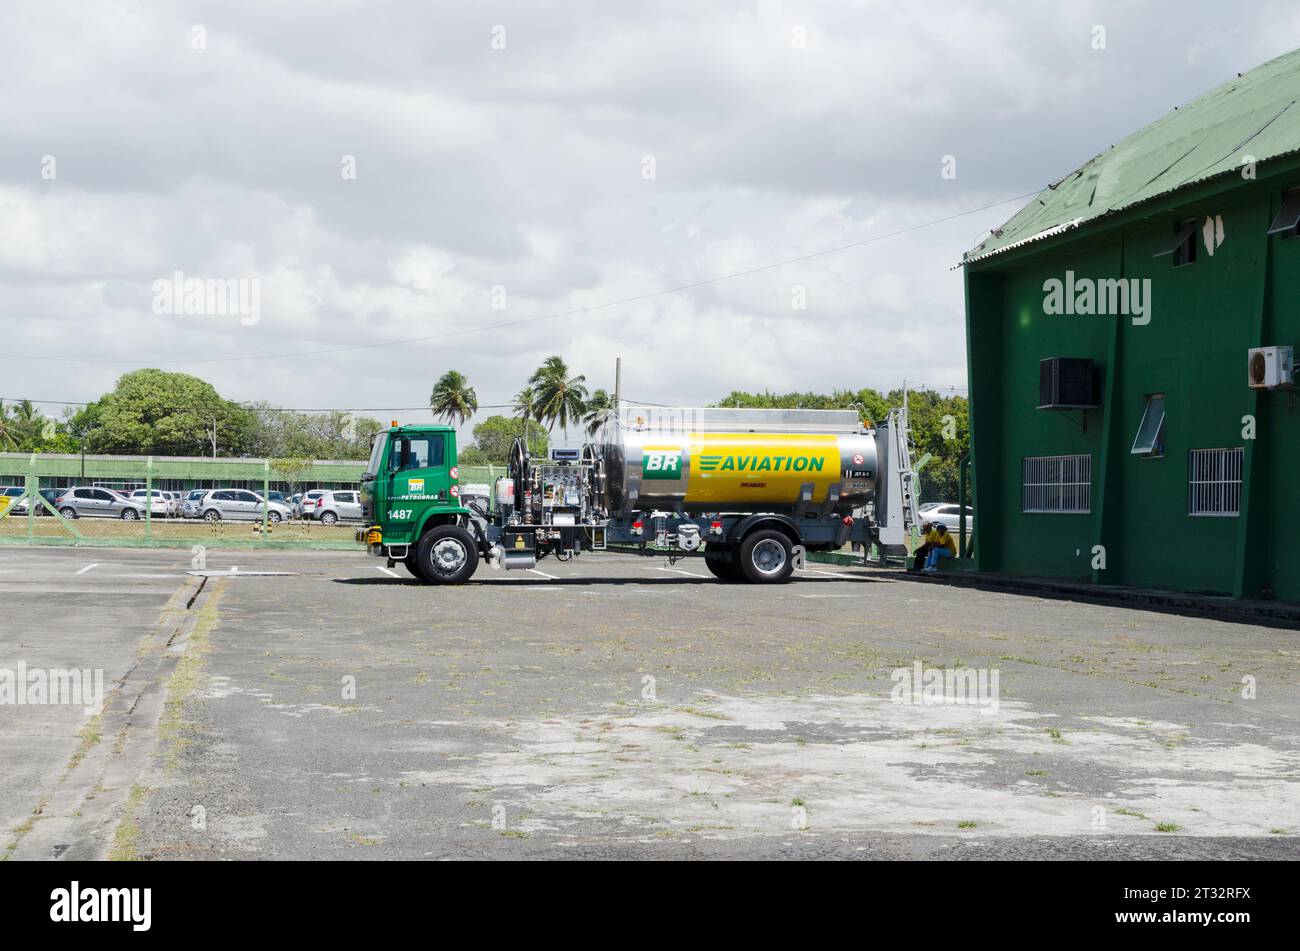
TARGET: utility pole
(618,382)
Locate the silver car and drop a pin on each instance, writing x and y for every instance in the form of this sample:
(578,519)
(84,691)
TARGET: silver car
(337,506)
(238,505)
(190,503)
(92,502)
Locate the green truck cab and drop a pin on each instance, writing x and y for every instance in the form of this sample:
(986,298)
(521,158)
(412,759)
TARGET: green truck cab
(410,501)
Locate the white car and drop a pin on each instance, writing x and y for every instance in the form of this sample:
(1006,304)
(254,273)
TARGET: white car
(161,506)
(306,506)
(947,512)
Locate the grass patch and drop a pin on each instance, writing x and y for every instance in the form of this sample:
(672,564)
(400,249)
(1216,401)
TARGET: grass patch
(1167,827)
(966,824)
(126,836)
(186,678)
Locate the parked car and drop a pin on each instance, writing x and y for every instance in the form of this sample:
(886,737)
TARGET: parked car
(161,507)
(307,504)
(239,505)
(50,495)
(190,503)
(173,504)
(947,512)
(332,506)
(7,495)
(94,502)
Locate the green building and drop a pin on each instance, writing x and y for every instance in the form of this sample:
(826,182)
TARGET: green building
(1133,419)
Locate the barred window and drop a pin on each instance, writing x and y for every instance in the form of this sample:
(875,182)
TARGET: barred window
(1214,481)
(1057,484)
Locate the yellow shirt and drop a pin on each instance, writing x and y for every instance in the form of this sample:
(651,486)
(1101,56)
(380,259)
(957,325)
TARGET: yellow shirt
(944,540)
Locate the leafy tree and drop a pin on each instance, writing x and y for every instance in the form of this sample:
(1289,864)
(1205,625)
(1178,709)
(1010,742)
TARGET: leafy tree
(494,436)
(453,399)
(280,433)
(291,469)
(560,398)
(152,412)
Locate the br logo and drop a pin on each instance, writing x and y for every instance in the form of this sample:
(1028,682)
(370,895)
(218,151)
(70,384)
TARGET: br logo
(661,464)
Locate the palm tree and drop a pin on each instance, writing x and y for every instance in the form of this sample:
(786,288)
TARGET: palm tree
(27,423)
(560,398)
(8,439)
(525,407)
(600,408)
(453,398)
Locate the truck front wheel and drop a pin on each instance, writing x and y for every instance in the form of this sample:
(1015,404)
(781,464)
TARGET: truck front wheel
(446,555)
(767,557)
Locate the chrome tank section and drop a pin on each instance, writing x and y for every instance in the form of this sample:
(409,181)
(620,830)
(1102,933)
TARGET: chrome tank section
(737,460)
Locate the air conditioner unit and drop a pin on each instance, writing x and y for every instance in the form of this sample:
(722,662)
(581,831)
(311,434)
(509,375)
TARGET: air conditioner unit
(1067,383)
(1270,368)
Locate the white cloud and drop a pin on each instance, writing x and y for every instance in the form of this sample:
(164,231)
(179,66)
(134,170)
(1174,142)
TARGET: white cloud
(522,168)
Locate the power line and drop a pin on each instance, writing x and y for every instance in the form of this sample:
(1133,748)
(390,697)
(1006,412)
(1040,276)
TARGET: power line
(542,317)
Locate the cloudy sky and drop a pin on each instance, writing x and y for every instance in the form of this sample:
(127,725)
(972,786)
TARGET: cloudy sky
(424,174)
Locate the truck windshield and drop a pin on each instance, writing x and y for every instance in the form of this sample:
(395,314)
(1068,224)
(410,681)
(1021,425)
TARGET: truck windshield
(376,454)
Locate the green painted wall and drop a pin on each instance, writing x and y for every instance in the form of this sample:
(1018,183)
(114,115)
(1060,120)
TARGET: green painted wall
(1204,317)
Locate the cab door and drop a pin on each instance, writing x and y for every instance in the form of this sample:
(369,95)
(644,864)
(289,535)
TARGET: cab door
(418,470)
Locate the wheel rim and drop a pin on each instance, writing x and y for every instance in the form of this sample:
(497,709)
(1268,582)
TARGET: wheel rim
(68,513)
(768,556)
(449,556)
(130,515)
(213,517)
(327,518)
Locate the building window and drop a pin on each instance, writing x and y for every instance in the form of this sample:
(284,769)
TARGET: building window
(1214,481)
(1182,246)
(1287,222)
(1057,484)
(1150,439)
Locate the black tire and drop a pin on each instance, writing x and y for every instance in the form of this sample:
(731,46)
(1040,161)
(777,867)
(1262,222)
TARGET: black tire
(328,518)
(413,566)
(723,564)
(130,515)
(446,555)
(68,512)
(212,515)
(767,557)
(273,518)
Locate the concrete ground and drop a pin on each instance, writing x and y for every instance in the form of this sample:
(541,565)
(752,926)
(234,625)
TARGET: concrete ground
(623,707)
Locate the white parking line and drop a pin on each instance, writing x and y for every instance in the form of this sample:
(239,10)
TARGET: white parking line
(87,568)
(831,574)
(544,574)
(387,571)
(679,571)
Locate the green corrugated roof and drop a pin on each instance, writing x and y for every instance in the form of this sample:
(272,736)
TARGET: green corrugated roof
(1255,114)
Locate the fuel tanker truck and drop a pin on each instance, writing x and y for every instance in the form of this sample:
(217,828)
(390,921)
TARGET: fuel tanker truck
(749,491)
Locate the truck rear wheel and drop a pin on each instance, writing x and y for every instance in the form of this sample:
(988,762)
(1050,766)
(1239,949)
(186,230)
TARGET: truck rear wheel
(724,565)
(767,557)
(446,555)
